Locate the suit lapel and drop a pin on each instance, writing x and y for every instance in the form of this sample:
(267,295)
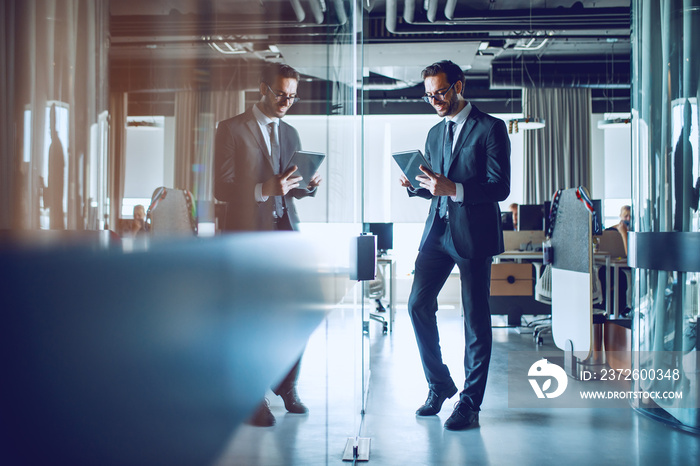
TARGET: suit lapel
(468,127)
(254,128)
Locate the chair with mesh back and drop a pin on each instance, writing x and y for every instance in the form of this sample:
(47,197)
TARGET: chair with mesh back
(376,290)
(172,213)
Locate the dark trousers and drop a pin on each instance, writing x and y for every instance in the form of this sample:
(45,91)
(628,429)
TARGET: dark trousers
(290,380)
(435,261)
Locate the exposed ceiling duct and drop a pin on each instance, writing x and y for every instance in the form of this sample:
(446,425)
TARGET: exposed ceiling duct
(402,62)
(503,45)
(489,21)
(564,72)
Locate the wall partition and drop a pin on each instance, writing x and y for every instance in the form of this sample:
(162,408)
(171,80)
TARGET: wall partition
(55,120)
(204,67)
(665,244)
(80,73)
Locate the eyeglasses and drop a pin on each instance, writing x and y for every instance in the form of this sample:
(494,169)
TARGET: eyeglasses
(439,96)
(281,97)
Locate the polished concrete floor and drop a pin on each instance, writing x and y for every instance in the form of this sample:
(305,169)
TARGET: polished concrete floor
(331,385)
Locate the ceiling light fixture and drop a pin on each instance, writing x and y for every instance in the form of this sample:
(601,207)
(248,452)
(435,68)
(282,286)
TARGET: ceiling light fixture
(227,49)
(528,123)
(531,44)
(618,122)
(612,119)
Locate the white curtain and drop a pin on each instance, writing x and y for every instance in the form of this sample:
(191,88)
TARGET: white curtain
(118,110)
(557,156)
(196,115)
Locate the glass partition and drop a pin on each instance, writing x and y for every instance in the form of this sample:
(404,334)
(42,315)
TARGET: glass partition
(57,95)
(114,99)
(666,168)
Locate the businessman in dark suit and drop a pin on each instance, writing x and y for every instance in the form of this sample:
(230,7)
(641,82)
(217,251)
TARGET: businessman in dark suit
(251,151)
(469,152)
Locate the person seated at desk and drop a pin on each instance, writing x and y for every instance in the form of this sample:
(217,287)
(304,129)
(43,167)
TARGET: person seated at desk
(509,220)
(514,210)
(140,225)
(622,227)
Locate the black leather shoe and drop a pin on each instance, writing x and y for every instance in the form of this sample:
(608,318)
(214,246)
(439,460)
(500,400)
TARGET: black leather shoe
(462,418)
(292,402)
(434,402)
(262,417)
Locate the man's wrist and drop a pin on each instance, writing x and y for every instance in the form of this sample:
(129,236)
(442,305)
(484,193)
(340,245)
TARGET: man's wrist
(459,193)
(259,197)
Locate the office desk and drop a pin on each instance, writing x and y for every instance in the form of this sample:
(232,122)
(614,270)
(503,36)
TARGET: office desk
(518,256)
(602,257)
(516,306)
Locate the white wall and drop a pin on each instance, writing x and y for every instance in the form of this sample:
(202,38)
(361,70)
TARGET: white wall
(611,167)
(145,161)
(150,161)
(169,152)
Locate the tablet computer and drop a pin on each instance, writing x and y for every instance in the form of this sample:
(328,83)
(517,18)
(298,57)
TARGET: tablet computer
(307,165)
(409,161)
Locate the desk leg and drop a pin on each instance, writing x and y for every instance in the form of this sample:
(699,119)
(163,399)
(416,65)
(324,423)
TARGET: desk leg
(616,293)
(607,285)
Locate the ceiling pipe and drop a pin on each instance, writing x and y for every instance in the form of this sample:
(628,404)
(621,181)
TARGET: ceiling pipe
(450,9)
(536,20)
(340,12)
(409,10)
(317,11)
(298,10)
(432,10)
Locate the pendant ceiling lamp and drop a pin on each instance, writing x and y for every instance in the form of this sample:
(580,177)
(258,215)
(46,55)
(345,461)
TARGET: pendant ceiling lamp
(517,124)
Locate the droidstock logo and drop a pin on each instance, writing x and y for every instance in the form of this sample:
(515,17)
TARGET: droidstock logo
(546,370)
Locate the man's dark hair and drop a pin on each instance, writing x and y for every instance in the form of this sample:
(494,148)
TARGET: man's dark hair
(453,72)
(271,71)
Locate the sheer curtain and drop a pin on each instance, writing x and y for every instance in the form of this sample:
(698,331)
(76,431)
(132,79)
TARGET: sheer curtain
(196,115)
(559,155)
(118,109)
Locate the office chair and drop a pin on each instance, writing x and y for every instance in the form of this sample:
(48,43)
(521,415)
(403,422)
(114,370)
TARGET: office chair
(543,294)
(172,213)
(376,290)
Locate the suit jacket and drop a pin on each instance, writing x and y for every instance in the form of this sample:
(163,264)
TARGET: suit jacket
(481,162)
(241,161)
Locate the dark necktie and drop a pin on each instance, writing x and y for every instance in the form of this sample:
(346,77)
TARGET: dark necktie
(447,150)
(275,155)
(275,147)
(446,158)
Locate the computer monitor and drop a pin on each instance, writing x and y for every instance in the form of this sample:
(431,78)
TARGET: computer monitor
(384,233)
(547,207)
(507,221)
(597,220)
(530,217)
